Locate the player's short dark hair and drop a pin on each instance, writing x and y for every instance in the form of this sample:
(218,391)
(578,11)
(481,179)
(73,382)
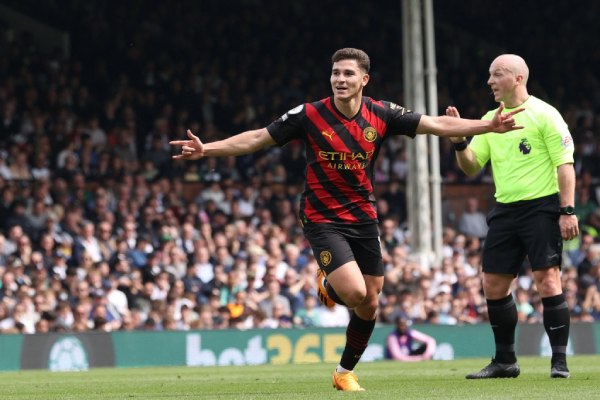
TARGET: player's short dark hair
(349,53)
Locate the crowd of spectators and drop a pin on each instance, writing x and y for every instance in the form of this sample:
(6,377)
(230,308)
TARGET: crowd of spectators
(101,230)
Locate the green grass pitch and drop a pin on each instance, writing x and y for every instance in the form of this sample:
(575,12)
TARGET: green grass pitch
(384,380)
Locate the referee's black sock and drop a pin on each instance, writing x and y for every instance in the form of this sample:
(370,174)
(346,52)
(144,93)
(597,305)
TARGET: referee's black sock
(503,319)
(557,322)
(358,334)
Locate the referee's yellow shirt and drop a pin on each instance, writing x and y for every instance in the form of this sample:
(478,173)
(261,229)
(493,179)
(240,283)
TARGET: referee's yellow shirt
(524,162)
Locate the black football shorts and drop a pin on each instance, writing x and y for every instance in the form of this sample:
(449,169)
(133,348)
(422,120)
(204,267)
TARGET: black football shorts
(523,229)
(335,245)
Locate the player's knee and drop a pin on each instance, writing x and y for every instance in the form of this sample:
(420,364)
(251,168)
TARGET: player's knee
(371,304)
(548,287)
(367,310)
(355,298)
(548,282)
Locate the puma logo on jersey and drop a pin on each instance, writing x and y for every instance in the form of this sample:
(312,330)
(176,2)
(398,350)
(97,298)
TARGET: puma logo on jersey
(329,135)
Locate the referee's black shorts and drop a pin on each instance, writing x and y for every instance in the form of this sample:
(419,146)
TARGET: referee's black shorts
(524,228)
(335,245)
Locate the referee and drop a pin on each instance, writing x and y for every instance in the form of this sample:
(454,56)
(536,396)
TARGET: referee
(535,185)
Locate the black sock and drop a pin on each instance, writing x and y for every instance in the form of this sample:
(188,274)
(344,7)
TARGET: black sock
(503,319)
(358,334)
(557,322)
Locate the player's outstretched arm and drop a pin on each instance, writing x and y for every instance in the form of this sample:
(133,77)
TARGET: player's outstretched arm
(242,143)
(452,111)
(466,159)
(448,126)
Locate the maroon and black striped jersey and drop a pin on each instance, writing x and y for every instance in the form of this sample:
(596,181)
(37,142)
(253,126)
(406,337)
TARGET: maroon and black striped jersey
(340,155)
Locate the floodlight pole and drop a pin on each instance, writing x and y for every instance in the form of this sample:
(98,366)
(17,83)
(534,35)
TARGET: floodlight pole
(434,141)
(418,194)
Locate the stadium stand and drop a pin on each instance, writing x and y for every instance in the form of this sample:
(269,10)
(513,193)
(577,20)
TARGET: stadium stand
(102,230)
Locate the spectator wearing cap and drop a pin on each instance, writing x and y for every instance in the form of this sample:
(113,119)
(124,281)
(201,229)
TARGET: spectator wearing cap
(17,267)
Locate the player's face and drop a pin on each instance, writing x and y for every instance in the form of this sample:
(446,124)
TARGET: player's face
(347,79)
(502,82)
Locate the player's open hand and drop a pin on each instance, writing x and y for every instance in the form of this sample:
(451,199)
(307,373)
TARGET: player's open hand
(505,122)
(191,149)
(452,111)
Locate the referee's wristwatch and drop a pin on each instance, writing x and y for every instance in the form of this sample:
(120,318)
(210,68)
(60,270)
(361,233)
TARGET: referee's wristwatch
(567,210)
